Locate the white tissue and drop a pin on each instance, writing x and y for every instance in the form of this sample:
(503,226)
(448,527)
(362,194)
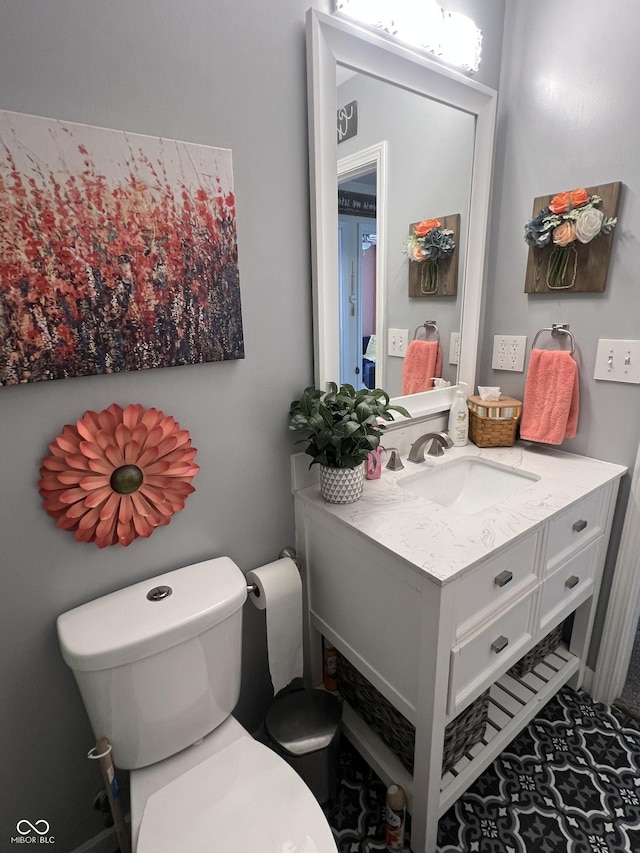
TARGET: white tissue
(280,595)
(440,383)
(489,392)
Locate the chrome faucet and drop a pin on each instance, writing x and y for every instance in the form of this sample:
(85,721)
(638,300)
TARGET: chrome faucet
(439,441)
(395,462)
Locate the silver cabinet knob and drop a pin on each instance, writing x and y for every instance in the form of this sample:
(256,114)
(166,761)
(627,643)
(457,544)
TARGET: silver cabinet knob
(500,644)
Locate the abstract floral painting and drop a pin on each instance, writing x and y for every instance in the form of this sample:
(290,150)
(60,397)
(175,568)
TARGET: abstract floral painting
(117,252)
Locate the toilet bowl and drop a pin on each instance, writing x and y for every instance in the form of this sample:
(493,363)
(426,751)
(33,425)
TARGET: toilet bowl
(228,793)
(158,668)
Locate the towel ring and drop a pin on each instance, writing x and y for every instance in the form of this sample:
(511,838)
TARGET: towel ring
(425,326)
(556,330)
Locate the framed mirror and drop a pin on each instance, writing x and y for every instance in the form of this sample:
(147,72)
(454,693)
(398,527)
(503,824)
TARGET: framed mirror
(422,107)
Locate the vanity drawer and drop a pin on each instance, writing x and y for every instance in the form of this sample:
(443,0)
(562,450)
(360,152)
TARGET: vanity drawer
(494,583)
(574,528)
(569,586)
(476,662)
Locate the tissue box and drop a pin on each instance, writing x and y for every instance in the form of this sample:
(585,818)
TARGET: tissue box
(493,423)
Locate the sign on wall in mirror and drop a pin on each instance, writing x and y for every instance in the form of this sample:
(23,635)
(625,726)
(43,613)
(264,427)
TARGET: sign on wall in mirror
(347,121)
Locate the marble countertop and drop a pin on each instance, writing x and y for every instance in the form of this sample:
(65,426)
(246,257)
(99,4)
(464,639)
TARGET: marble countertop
(444,543)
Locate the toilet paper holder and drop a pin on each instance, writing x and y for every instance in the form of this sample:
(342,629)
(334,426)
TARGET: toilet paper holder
(252,588)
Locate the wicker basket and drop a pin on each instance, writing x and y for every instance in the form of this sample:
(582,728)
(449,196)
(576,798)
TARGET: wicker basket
(493,424)
(537,653)
(489,432)
(396,731)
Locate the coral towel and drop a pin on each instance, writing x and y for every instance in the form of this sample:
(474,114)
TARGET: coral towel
(422,362)
(550,407)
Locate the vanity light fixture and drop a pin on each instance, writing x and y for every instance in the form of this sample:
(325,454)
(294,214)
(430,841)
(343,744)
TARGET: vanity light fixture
(424,24)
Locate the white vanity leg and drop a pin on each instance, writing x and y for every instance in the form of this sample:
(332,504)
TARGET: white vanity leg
(435,644)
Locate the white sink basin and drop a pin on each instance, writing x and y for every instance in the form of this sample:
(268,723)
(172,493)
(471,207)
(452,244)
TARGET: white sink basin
(468,485)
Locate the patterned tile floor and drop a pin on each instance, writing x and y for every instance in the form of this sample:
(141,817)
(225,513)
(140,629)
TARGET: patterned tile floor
(569,783)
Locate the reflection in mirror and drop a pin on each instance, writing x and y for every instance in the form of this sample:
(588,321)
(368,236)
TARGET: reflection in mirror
(357,275)
(429,166)
(411,80)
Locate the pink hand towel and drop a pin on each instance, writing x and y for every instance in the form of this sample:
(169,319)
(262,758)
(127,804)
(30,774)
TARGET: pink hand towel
(550,406)
(422,362)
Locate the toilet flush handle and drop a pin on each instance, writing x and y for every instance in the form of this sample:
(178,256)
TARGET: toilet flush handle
(159,593)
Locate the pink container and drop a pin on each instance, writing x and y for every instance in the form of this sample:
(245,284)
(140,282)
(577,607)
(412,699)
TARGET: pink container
(373,465)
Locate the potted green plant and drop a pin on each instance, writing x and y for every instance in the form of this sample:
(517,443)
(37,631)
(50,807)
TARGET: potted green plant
(343,426)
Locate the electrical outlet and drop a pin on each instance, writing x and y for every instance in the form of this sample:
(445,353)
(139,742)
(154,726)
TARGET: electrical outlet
(454,348)
(508,352)
(398,340)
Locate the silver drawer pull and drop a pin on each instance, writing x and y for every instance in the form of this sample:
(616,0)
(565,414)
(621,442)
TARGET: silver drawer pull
(503,578)
(574,580)
(500,644)
(579,525)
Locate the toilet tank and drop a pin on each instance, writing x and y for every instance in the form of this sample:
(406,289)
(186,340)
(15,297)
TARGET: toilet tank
(158,663)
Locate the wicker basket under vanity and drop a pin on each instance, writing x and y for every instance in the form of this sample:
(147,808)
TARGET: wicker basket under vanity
(547,645)
(396,731)
(493,423)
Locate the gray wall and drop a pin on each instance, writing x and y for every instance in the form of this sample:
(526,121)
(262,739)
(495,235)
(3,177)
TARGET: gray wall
(568,108)
(567,118)
(220,74)
(223,74)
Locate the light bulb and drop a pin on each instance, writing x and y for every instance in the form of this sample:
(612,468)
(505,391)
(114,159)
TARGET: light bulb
(423,24)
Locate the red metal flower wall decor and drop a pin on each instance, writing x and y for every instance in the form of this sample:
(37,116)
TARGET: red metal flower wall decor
(117,474)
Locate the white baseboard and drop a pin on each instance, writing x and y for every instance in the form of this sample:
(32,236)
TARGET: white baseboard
(587,681)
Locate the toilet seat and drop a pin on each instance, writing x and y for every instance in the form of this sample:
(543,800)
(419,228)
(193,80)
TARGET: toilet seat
(243,798)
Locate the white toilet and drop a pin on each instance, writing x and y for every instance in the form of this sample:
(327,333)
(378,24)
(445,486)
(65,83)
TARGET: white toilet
(158,667)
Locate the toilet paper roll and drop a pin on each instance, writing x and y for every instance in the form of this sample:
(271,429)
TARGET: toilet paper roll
(280,595)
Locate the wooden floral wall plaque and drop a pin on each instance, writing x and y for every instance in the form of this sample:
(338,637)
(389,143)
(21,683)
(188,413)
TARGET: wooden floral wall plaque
(580,266)
(446,273)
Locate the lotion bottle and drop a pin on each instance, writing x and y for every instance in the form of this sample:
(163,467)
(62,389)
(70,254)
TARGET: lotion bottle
(458,427)
(396,810)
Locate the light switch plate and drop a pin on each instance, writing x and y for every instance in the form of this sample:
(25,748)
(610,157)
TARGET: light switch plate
(398,341)
(454,348)
(618,361)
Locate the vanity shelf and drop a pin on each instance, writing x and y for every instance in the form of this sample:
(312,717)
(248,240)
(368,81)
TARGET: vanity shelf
(513,703)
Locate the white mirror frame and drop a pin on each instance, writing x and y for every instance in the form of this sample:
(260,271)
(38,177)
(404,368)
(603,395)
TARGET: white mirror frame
(332,41)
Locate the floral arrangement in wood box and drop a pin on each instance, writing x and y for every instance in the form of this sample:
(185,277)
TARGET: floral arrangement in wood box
(428,244)
(569,218)
(118,474)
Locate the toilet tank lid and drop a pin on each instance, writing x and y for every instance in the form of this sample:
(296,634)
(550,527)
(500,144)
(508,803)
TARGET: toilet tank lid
(126,626)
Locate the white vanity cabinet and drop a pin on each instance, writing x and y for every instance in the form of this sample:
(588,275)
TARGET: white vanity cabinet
(434,608)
